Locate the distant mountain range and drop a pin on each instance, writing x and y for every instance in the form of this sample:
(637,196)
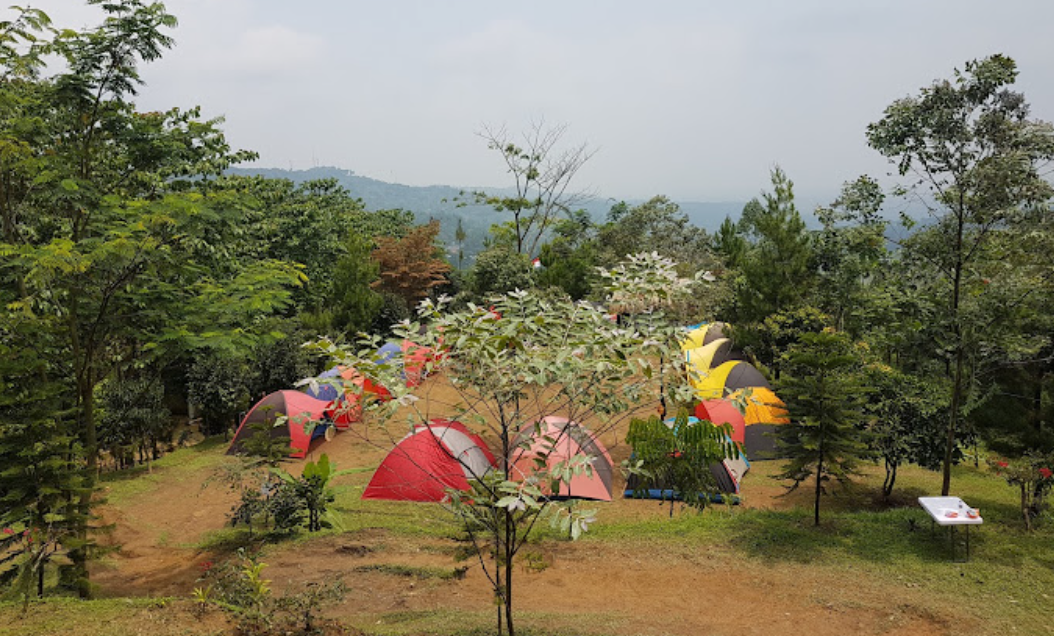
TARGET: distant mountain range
(442,203)
(429,201)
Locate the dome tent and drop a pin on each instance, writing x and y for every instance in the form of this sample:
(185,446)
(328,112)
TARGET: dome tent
(557,439)
(303,412)
(429,460)
(347,387)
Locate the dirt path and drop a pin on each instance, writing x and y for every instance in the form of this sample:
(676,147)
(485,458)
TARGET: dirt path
(638,591)
(150,536)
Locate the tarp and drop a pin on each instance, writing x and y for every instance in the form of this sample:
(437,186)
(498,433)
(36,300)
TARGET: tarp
(721,412)
(710,355)
(301,410)
(566,440)
(415,362)
(324,391)
(424,464)
(709,382)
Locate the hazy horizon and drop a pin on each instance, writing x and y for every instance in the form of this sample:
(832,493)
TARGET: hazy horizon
(696,101)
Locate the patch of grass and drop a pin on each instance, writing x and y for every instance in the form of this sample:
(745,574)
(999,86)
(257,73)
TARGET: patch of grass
(125,484)
(1007,586)
(417,572)
(406,518)
(452,622)
(60,616)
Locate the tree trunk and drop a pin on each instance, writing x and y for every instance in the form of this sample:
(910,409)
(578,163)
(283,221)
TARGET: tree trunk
(953,419)
(79,554)
(510,537)
(819,488)
(891,478)
(957,385)
(1025,512)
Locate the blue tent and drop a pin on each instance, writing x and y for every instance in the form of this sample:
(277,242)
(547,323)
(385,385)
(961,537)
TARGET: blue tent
(327,392)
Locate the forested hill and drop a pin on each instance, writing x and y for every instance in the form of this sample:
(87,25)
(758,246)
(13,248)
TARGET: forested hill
(440,202)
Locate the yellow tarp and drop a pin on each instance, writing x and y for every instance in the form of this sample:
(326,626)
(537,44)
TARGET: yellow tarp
(694,338)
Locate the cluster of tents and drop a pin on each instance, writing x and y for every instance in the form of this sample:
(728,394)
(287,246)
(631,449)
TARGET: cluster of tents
(721,379)
(445,454)
(322,408)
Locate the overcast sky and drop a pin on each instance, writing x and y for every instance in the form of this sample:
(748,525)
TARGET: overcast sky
(695,100)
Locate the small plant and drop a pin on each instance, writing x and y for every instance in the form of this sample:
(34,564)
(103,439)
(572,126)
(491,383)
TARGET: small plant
(1033,476)
(203,597)
(27,550)
(675,458)
(302,609)
(535,561)
(305,495)
(264,445)
(240,589)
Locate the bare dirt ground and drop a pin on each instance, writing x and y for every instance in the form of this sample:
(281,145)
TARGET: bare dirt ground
(626,587)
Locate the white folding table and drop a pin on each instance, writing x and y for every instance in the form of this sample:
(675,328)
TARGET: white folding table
(952,512)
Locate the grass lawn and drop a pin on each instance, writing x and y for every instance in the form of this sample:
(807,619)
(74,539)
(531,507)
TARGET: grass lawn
(862,543)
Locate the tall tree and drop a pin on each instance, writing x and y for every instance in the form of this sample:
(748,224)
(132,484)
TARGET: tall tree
(778,266)
(975,158)
(108,212)
(411,266)
(355,303)
(657,225)
(852,258)
(542,174)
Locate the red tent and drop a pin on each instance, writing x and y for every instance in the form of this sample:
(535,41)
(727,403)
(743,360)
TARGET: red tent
(301,410)
(415,360)
(720,412)
(428,461)
(347,408)
(566,439)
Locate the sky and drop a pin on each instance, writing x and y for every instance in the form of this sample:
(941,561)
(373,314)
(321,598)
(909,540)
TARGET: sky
(693,100)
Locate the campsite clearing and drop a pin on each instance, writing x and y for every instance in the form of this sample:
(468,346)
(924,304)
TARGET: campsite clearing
(758,568)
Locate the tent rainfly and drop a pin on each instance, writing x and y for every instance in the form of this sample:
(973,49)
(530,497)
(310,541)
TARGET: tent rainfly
(565,440)
(424,464)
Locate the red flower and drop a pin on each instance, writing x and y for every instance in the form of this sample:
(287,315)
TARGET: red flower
(675,454)
(1046,472)
(206,566)
(1001,464)
(8,531)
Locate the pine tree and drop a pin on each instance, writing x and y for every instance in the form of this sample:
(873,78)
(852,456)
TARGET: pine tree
(824,396)
(778,265)
(355,303)
(41,464)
